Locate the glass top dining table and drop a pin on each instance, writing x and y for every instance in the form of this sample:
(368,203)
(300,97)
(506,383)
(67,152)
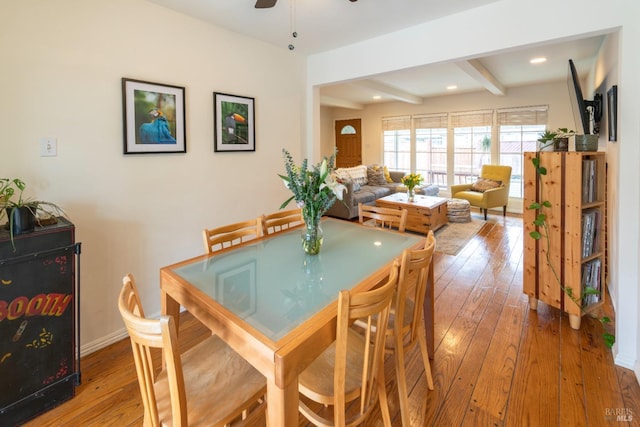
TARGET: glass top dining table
(276,305)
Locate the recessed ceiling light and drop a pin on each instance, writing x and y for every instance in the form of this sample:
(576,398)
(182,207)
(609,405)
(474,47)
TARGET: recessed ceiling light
(452,87)
(539,60)
(376,97)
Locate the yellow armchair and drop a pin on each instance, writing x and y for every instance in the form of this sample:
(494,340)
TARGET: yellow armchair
(491,198)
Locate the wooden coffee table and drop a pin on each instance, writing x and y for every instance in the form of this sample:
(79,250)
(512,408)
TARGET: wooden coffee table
(424,213)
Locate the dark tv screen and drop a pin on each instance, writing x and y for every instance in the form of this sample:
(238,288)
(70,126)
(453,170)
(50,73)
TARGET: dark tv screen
(585,113)
(578,105)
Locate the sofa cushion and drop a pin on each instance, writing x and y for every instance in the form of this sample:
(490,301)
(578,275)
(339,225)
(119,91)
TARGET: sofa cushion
(387,175)
(357,174)
(482,185)
(363,196)
(378,190)
(375,176)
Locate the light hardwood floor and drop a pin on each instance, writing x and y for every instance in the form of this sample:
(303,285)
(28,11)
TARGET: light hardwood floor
(497,363)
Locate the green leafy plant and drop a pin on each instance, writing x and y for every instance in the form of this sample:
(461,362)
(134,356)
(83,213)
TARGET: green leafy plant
(11,200)
(541,223)
(548,137)
(314,190)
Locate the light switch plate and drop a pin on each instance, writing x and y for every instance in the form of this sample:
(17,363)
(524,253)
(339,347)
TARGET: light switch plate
(48,147)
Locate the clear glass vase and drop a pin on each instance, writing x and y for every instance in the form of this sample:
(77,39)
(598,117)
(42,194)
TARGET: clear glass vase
(312,237)
(410,194)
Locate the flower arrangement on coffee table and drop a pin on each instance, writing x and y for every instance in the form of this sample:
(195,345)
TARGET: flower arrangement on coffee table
(411,181)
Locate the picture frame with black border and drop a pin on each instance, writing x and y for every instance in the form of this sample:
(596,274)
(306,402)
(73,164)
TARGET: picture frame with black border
(612,112)
(234,123)
(154,117)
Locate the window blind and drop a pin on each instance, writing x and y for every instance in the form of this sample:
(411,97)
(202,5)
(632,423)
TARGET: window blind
(433,121)
(523,116)
(471,119)
(396,123)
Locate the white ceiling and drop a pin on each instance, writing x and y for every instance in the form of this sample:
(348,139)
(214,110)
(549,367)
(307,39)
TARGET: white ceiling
(328,24)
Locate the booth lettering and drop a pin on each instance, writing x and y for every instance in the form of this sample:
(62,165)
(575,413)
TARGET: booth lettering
(39,305)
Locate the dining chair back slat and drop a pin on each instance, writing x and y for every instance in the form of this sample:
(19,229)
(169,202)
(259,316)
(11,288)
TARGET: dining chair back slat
(216,239)
(281,221)
(382,217)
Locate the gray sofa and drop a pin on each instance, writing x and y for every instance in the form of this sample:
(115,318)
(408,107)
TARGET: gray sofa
(367,194)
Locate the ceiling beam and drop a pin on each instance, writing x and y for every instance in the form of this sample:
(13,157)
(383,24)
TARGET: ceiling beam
(329,101)
(479,73)
(389,91)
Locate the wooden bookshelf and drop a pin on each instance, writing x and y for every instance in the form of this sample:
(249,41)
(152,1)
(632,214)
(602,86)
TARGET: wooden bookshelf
(573,254)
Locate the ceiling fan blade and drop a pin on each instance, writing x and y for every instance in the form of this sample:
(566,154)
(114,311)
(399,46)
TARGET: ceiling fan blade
(264,4)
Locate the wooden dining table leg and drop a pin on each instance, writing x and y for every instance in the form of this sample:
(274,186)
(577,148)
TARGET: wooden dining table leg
(169,306)
(429,312)
(282,404)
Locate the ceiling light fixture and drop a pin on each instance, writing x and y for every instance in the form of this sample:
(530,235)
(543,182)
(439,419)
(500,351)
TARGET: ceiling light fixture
(452,87)
(292,23)
(538,60)
(376,97)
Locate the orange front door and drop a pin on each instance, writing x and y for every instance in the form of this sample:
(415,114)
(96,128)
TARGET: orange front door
(348,143)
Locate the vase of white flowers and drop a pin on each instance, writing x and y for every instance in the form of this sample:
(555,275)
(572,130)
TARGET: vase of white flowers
(314,190)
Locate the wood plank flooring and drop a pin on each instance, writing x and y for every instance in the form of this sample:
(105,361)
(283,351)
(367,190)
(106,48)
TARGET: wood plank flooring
(497,363)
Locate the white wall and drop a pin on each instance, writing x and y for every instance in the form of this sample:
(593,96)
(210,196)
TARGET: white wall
(508,25)
(61,69)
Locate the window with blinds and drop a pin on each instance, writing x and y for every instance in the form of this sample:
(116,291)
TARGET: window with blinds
(471,144)
(397,143)
(433,144)
(431,148)
(518,131)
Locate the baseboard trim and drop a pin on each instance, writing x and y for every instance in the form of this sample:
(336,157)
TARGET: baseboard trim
(112,338)
(103,342)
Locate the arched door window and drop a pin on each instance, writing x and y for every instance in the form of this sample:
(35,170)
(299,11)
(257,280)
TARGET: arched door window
(348,130)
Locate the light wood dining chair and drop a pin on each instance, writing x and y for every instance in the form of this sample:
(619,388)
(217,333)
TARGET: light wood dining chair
(216,239)
(281,221)
(406,321)
(208,385)
(350,373)
(382,217)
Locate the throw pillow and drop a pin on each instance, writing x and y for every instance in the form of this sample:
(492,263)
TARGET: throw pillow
(343,174)
(375,176)
(483,184)
(387,175)
(356,173)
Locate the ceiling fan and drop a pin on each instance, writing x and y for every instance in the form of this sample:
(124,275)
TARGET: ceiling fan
(265,4)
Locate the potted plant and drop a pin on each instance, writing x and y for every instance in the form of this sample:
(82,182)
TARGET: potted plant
(23,213)
(557,140)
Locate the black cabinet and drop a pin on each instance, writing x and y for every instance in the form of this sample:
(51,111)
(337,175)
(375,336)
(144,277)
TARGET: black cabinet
(39,301)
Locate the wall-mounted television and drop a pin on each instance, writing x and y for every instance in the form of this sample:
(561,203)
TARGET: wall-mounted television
(587,114)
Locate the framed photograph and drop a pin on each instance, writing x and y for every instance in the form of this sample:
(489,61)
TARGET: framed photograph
(233,123)
(236,289)
(154,118)
(612,112)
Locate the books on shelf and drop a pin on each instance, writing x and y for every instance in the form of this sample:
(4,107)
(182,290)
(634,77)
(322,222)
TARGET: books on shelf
(589,172)
(590,231)
(591,274)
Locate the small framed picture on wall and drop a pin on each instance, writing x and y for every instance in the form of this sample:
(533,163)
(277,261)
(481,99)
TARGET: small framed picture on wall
(233,122)
(154,118)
